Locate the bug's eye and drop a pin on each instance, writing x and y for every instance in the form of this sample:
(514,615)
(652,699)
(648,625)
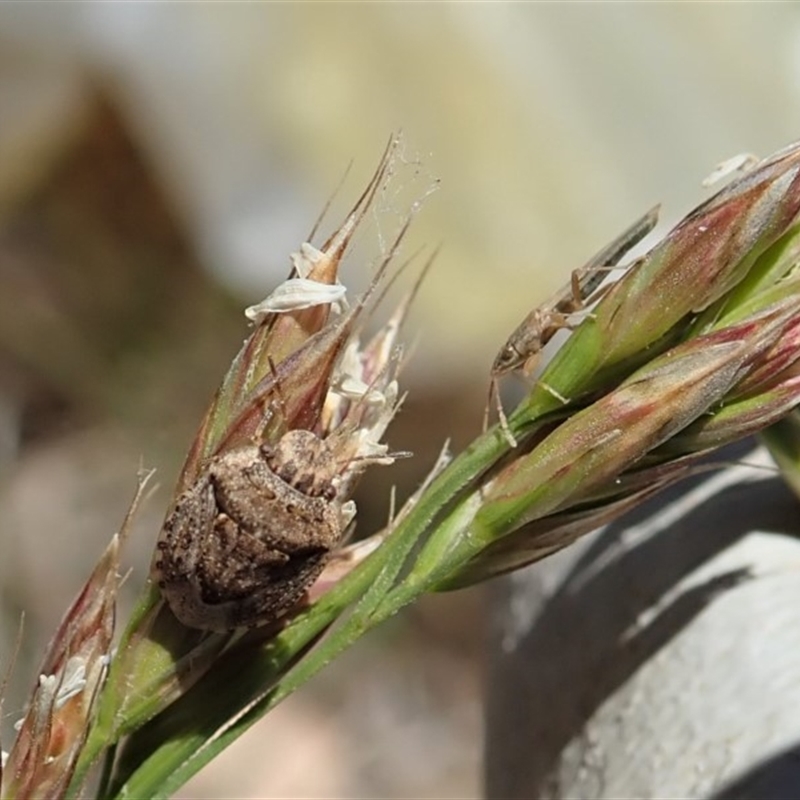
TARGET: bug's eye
(508,358)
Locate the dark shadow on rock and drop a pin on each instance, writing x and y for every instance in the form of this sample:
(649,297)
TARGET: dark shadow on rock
(586,641)
(777,778)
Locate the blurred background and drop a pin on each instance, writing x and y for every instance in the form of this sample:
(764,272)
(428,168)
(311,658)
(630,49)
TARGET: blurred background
(159,162)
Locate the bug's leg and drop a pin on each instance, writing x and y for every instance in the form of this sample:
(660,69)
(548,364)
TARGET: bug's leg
(577,293)
(595,292)
(501,415)
(598,294)
(580,301)
(489,398)
(587,292)
(530,366)
(550,390)
(494,395)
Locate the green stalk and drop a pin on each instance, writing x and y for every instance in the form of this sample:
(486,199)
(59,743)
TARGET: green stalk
(182,742)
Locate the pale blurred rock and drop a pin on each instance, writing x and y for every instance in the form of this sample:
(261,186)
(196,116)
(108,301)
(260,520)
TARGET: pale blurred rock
(658,660)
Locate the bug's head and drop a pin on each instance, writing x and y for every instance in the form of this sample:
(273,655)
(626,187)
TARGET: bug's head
(507,360)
